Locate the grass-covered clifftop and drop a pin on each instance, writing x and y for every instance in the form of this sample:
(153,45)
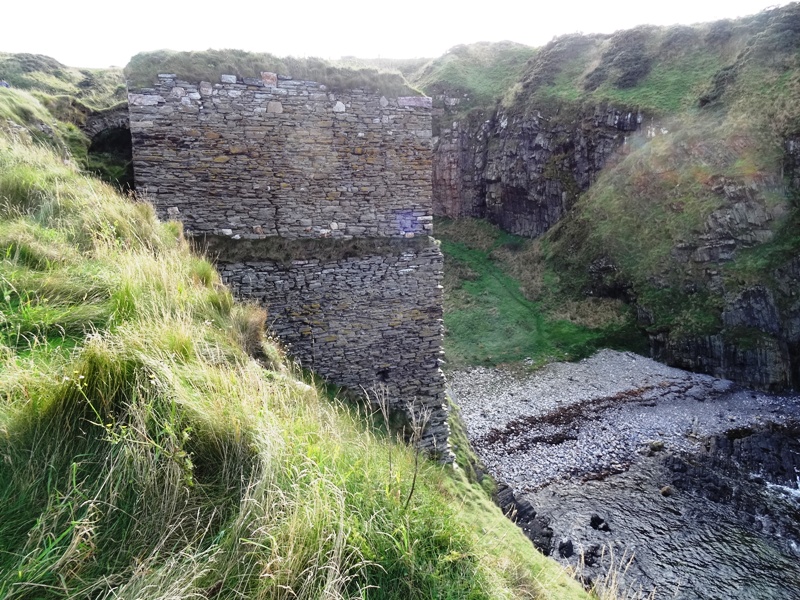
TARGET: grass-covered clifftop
(476,75)
(144,452)
(715,174)
(53,101)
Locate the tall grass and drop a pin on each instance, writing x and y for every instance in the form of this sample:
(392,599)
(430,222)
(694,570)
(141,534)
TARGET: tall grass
(79,89)
(153,443)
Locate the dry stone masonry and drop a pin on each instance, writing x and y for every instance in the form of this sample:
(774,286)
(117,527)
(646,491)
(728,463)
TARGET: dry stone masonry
(282,157)
(317,204)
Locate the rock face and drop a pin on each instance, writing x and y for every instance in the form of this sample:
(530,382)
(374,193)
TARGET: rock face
(522,172)
(319,206)
(758,345)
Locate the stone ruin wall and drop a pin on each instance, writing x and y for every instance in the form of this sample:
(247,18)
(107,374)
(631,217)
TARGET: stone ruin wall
(317,204)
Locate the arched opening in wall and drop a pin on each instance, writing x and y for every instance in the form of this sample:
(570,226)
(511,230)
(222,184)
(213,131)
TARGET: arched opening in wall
(111,157)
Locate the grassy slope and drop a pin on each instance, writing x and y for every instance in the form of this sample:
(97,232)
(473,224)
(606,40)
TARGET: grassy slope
(659,194)
(477,74)
(145,454)
(52,100)
(93,89)
(499,307)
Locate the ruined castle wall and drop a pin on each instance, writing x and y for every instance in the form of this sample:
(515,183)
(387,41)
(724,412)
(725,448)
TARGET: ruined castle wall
(318,205)
(287,158)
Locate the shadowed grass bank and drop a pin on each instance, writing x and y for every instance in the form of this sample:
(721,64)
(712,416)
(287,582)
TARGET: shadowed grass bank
(502,304)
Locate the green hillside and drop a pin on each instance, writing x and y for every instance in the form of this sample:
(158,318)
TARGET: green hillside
(727,128)
(475,74)
(709,169)
(154,444)
(53,101)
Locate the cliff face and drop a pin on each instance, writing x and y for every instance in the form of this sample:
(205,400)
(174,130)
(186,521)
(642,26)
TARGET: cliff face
(522,172)
(670,161)
(758,340)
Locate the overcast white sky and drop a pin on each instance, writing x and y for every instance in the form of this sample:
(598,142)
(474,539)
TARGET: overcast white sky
(100,33)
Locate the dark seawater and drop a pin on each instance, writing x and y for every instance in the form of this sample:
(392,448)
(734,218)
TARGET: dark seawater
(720,524)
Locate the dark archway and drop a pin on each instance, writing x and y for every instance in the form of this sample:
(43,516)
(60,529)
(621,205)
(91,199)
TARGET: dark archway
(111,157)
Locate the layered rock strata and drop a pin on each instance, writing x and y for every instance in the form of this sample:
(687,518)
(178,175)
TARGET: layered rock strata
(522,171)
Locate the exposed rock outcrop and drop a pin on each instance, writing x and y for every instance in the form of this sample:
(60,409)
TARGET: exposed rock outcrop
(522,171)
(685,480)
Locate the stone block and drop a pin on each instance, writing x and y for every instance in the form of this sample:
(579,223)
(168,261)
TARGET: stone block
(415,101)
(227,78)
(145,99)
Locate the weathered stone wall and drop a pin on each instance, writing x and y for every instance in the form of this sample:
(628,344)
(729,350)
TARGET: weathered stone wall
(112,118)
(371,319)
(318,205)
(284,158)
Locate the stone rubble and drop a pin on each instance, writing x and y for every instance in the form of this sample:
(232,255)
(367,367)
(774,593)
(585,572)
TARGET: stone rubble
(595,417)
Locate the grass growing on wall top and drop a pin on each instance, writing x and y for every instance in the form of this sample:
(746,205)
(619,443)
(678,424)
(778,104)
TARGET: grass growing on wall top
(146,454)
(143,69)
